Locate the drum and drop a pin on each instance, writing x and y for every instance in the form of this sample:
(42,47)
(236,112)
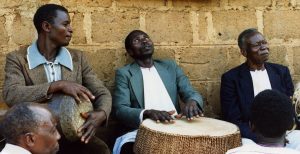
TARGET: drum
(68,111)
(199,136)
(296,105)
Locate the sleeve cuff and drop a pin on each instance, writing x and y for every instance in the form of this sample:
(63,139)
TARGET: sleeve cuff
(141,116)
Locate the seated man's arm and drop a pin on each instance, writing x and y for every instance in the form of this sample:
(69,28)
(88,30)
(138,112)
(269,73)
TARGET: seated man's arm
(185,89)
(103,100)
(121,102)
(15,89)
(230,107)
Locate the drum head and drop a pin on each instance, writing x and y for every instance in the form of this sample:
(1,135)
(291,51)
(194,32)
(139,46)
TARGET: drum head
(197,127)
(68,111)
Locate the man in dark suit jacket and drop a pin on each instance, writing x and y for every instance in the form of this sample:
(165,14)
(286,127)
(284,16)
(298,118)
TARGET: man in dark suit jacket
(239,85)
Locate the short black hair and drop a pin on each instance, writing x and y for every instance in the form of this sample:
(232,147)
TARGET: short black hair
(130,36)
(272,113)
(245,35)
(19,120)
(47,13)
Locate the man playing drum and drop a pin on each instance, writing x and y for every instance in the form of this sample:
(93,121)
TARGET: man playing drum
(241,84)
(149,88)
(34,73)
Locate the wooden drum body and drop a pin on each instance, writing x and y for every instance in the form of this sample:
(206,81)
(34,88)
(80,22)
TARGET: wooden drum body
(199,136)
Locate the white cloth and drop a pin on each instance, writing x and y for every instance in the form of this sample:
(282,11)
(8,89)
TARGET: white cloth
(129,137)
(260,80)
(155,97)
(250,147)
(294,139)
(13,149)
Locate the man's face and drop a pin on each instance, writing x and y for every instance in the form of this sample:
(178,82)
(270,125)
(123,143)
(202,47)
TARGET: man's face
(141,47)
(61,31)
(257,49)
(46,136)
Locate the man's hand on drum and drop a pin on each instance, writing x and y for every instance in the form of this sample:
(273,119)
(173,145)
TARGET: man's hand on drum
(73,89)
(93,120)
(190,110)
(159,116)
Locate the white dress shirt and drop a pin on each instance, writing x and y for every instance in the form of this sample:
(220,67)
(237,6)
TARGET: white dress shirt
(260,80)
(14,149)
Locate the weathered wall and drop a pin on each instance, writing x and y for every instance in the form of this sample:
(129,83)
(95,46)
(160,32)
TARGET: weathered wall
(199,34)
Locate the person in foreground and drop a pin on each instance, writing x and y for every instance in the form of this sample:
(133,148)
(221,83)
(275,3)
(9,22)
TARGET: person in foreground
(37,72)
(270,118)
(241,84)
(149,88)
(29,128)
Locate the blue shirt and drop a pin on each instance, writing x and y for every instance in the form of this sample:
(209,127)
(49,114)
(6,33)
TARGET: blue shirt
(52,69)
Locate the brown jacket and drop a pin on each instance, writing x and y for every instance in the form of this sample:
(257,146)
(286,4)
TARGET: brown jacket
(24,85)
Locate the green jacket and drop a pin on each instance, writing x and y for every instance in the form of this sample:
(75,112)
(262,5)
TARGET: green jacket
(128,98)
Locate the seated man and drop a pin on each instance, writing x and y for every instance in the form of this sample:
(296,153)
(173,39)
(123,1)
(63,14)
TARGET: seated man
(29,128)
(239,85)
(149,88)
(34,73)
(270,118)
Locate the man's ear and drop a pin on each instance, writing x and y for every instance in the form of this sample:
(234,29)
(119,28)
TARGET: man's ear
(244,52)
(46,26)
(30,139)
(129,52)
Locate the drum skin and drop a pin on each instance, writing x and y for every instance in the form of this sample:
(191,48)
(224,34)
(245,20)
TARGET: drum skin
(206,136)
(68,111)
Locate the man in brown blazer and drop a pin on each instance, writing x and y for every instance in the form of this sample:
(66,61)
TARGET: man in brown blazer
(34,73)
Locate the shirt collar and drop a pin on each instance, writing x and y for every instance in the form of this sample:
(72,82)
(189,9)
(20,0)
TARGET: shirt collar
(35,58)
(10,148)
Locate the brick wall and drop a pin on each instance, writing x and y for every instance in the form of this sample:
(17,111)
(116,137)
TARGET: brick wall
(199,34)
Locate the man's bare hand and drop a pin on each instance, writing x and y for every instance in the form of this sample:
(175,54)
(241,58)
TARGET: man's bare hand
(73,89)
(159,116)
(93,120)
(190,110)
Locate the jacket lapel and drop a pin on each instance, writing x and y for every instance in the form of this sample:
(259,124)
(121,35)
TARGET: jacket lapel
(246,83)
(37,75)
(137,84)
(67,74)
(274,77)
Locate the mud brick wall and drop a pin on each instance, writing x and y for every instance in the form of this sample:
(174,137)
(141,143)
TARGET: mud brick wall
(199,34)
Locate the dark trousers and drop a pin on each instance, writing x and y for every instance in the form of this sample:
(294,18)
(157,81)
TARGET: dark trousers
(95,146)
(127,148)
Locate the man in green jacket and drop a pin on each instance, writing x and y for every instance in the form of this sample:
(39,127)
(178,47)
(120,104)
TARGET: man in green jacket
(149,88)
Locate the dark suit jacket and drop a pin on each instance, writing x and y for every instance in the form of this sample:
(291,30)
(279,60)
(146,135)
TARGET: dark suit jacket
(128,99)
(237,93)
(31,85)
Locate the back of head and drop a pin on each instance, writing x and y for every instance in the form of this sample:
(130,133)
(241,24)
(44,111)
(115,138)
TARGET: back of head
(244,36)
(271,113)
(18,121)
(131,36)
(47,13)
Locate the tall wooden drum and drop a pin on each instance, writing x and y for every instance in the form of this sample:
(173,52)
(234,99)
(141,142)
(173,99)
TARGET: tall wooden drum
(199,136)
